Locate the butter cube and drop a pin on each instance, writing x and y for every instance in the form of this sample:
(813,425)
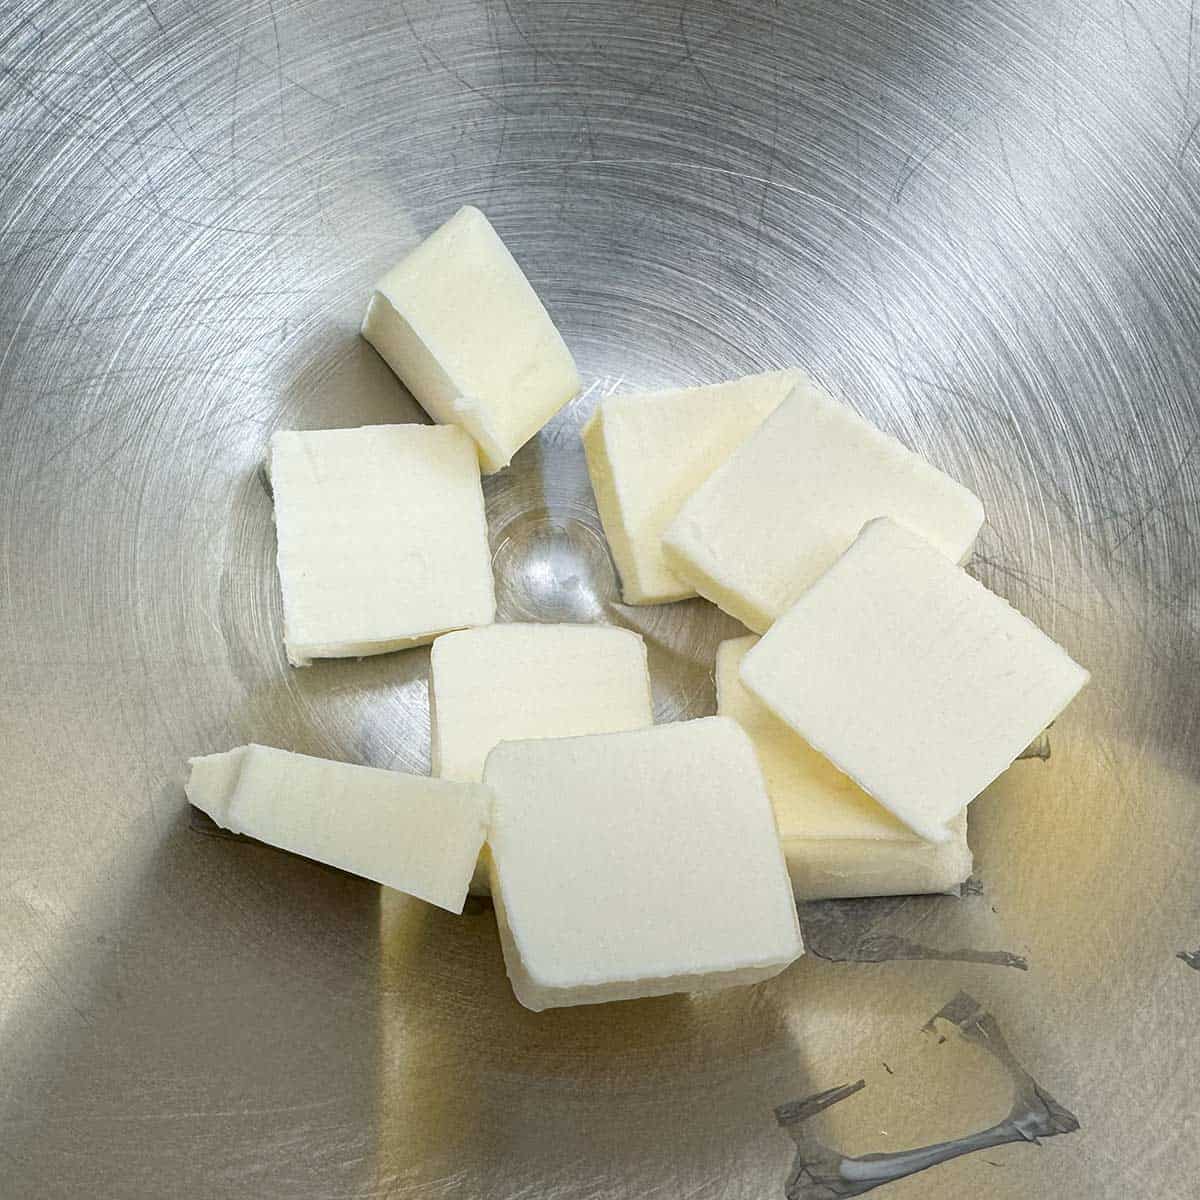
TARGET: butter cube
(838,842)
(508,682)
(382,538)
(911,677)
(408,832)
(637,864)
(649,451)
(460,324)
(794,496)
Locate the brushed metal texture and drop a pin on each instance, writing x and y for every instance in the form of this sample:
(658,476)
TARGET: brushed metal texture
(976,221)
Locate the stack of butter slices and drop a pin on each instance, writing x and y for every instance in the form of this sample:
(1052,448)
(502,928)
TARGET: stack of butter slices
(880,690)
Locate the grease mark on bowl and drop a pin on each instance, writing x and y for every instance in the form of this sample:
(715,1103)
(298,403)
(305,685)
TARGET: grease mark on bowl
(845,931)
(822,1173)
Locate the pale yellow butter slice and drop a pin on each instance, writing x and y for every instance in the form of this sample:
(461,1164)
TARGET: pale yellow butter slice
(460,324)
(418,835)
(637,864)
(508,682)
(911,677)
(648,451)
(382,538)
(838,842)
(794,495)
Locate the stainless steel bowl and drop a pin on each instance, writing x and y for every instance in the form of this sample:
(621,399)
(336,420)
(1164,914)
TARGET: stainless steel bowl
(977,221)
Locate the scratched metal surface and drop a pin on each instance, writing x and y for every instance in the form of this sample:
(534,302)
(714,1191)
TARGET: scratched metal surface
(975,220)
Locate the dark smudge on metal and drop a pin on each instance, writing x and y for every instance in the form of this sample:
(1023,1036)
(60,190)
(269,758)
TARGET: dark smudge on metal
(821,1173)
(886,947)
(845,931)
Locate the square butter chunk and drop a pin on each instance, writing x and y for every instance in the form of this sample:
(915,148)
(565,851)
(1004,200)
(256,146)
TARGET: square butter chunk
(512,682)
(637,864)
(382,538)
(912,677)
(460,324)
(418,835)
(648,452)
(795,494)
(838,842)
(508,682)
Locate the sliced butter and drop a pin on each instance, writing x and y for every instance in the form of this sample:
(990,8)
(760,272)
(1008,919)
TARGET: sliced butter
(508,682)
(418,835)
(838,842)
(382,538)
(911,677)
(459,323)
(648,451)
(794,495)
(637,864)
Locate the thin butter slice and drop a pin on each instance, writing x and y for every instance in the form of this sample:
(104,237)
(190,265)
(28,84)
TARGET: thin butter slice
(648,451)
(383,539)
(896,651)
(509,682)
(838,842)
(794,495)
(637,864)
(460,324)
(418,835)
